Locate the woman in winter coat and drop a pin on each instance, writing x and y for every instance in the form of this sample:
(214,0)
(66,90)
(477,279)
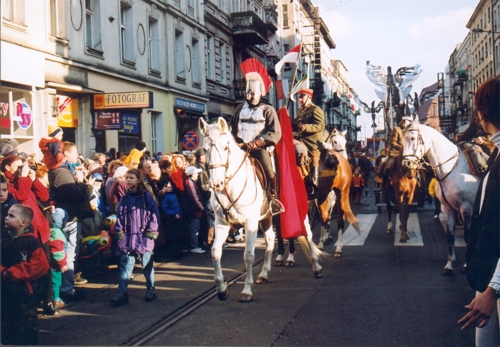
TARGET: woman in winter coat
(137,220)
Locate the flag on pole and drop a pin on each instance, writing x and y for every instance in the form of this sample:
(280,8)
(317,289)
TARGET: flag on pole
(352,101)
(303,83)
(281,88)
(291,57)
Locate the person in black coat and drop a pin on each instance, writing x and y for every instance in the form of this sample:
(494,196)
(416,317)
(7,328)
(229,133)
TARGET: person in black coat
(483,248)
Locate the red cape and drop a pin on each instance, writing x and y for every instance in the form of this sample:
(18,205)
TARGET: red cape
(293,193)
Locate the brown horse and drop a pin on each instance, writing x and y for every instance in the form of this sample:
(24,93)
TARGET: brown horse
(400,185)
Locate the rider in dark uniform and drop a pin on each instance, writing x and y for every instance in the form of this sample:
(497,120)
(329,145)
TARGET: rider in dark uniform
(255,125)
(310,125)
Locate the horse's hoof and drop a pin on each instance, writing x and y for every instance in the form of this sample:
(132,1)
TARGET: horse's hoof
(337,255)
(318,273)
(320,247)
(329,240)
(402,240)
(278,263)
(223,296)
(447,272)
(289,263)
(260,280)
(244,298)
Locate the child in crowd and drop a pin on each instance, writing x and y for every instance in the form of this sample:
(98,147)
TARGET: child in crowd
(52,148)
(135,155)
(194,208)
(432,193)
(97,200)
(137,220)
(24,272)
(358,183)
(58,260)
(6,200)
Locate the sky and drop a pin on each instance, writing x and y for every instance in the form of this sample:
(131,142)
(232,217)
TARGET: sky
(394,33)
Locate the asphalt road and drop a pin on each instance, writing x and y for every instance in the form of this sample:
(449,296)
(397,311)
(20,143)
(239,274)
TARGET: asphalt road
(377,294)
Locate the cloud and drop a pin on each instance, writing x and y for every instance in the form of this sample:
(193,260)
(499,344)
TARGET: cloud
(341,27)
(448,25)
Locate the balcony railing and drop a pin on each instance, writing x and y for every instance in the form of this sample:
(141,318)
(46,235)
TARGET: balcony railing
(271,16)
(248,29)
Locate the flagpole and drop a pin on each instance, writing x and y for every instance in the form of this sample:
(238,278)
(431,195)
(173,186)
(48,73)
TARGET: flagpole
(294,78)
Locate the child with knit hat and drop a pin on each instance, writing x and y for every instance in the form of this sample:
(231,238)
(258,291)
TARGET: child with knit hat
(52,148)
(58,261)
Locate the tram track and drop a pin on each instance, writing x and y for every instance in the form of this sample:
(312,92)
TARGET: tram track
(183,311)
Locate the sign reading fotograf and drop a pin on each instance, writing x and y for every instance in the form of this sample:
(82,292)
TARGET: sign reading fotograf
(189,105)
(105,120)
(123,100)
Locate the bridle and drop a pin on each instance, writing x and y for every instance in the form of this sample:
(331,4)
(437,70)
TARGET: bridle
(414,161)
(334,145)
(227,177)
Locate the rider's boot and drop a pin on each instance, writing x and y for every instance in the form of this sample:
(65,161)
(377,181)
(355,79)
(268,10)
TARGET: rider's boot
(315,179)
(276,205)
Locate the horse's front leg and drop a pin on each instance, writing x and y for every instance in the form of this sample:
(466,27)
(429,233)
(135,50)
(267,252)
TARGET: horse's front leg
(281,244)
(317,269)
(221,233)
(263,277)
(251,228)
(449,217)
(340,227)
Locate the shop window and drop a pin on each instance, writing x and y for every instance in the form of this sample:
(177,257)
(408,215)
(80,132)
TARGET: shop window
(93,26)
(17,117)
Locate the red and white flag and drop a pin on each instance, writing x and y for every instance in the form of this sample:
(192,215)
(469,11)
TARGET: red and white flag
(291,57)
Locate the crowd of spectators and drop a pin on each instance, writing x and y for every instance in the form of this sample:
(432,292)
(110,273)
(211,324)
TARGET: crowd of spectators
(49,207)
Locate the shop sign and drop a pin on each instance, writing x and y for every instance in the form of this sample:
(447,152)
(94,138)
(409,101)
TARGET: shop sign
(130,124)
(191,140)
(123,100)
(68,112)
(105,120)
(190,105)
(23,115)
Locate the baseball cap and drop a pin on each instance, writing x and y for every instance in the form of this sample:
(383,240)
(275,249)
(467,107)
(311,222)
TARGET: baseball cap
(120,172)
(191,170)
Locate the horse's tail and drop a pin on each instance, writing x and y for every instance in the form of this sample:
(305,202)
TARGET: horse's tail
(308,249)
(346,207)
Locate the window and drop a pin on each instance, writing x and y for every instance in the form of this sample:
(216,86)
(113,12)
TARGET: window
(191,8)
(180,69)
(196,63)
(285,16)
(14,11)
(154,45)
(57,9)
(156,132)
(93,25)
(222,49)
(210,58)
(126,33)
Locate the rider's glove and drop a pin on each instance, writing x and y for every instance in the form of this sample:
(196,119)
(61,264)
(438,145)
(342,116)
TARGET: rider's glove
(301,127)
(257,143)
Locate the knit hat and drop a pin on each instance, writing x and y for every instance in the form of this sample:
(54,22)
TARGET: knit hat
(120,172)
(53,130)
(59,217)
(190,170)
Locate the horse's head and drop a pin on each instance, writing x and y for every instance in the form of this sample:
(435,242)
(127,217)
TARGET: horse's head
(413,146)
(217,142)
(337,141)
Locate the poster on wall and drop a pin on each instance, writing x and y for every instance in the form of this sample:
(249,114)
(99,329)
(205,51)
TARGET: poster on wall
(68,111)
(23,115)
(130,124)
(105,120)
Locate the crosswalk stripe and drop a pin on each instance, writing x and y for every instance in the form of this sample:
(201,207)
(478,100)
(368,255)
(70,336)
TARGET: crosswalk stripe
(414,232)
(351,236)
(459,232)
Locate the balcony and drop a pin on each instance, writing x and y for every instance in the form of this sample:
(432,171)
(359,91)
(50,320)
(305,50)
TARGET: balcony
(248,29)
(271,61)
(271,15)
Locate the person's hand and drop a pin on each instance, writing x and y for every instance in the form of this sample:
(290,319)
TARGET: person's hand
(79,176)
(480,310)
(25,170)
(91,180)
(301,127)
(64,268)
(479,140)
(258,143)
(32,175)
(177,216)
(458,137)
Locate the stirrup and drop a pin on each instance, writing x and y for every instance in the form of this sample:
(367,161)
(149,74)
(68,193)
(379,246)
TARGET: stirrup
(276,206)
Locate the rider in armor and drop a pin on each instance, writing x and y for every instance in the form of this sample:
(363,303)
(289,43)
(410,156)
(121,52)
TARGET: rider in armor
(395,144)
(310,125)
(255,125)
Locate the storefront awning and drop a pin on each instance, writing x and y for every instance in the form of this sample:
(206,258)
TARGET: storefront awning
(73,88)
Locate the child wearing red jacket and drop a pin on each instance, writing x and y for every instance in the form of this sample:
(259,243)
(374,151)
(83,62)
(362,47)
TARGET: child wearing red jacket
(52,148)
(358,183)
(24,272)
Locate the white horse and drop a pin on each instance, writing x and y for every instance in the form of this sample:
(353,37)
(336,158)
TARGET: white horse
(239,199)
(336,141)
(456,188)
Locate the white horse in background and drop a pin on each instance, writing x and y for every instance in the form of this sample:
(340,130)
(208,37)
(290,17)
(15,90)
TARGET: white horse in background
(337,142)
(239,199)
(456,188)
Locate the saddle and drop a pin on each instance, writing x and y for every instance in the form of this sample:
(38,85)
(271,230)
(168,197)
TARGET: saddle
(476,157)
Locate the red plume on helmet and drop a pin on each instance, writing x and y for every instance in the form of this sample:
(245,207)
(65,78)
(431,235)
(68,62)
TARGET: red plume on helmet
(254,70)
